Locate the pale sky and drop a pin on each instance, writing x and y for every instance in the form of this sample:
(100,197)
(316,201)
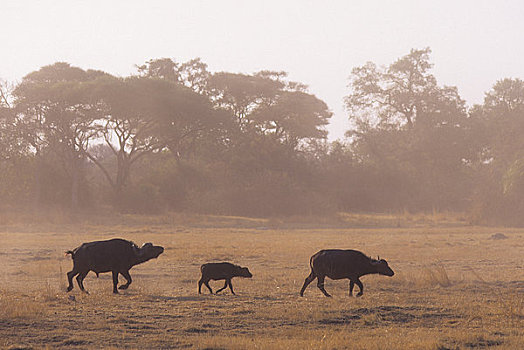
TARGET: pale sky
(474,42)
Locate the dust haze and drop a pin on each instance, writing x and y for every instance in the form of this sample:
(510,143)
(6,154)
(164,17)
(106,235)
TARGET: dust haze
(297,138)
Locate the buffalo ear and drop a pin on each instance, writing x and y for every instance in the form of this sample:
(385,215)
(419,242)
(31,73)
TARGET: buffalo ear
(141,251)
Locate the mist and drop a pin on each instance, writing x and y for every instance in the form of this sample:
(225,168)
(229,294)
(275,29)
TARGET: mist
(369,146)
(175,136)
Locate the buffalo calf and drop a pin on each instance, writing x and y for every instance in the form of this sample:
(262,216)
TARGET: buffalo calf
(115,255)
(221,271)
(340,264)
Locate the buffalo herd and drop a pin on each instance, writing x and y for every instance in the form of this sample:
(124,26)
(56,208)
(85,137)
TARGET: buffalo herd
(118,256)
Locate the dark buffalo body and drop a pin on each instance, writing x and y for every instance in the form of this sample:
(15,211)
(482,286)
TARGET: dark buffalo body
(114,255)
(341,264)
(221,271)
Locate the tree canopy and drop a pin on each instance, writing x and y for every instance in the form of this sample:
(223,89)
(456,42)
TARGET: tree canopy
(175,136)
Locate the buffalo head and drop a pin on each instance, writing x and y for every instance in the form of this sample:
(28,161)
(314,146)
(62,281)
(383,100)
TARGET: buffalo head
(149,251)
(382,267)
(244,272)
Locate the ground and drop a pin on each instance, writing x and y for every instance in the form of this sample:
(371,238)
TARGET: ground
(455,286)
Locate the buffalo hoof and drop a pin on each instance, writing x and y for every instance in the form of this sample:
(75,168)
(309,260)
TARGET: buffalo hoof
(359,295)
(69,289)
(124,286)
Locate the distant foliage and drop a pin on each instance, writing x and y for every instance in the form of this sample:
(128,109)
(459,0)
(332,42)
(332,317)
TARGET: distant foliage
(177,137)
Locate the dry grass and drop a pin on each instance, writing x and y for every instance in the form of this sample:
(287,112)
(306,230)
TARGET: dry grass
(454,288)
(13,307)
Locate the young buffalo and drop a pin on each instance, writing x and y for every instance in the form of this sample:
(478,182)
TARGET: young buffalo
(339,264)
(115,255)
(221,271)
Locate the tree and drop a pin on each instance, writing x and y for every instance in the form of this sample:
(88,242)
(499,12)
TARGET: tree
(126,126)
(141,116)
(164,68)
(268,104)
(397,96)
(192,74)
(54,115)
(503,116)
(499,125)
(412,131)
(11,141)
(241,94)
(506,98)
(293,116)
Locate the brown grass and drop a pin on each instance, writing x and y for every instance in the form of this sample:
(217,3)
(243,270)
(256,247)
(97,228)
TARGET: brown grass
(454,287)
(14,307)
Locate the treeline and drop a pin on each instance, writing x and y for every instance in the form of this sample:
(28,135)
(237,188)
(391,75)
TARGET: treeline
(175,136)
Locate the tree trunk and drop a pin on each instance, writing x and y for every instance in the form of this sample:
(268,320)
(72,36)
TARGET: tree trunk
(38,182)
(75,182)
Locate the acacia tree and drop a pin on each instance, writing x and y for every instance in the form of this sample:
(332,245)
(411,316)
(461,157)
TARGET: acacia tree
(11,143)
(126,126)
(192,74)
(15,162)
(264,102)
(54,116)
(242,94)
(142,116)
(292,117)
(269,104)
(163,68)
(190,117)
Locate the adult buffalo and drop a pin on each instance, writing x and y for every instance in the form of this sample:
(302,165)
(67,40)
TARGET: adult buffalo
(115,255)
(339,264)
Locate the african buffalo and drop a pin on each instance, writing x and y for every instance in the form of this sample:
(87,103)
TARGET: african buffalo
(221,271)
(115,255)
(339,264)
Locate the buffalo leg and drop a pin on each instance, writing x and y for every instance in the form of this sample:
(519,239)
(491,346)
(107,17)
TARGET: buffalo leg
(127,276)
(351,286)
(308,280)
(115,282)
(320,285)
(359,284)
(208,287)
(230,286)
(221,289)
(80,280)
(70,276)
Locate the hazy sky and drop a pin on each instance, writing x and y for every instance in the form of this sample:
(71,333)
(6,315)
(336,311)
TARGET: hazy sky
(474,43)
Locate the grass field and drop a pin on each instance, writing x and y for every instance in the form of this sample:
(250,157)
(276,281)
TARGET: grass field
(456,286)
